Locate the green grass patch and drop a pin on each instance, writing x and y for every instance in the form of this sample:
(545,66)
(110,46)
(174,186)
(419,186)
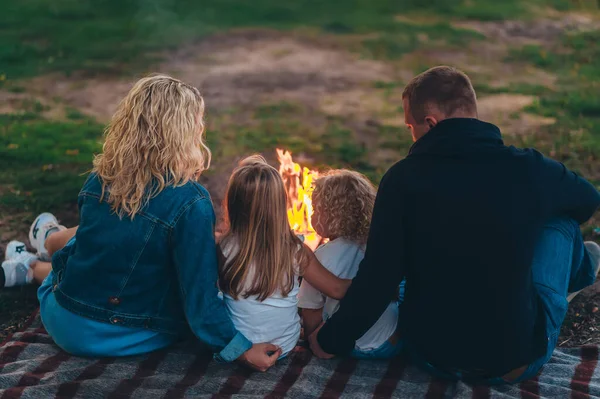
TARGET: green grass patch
(535,55)
(512,88)
(42,162)
(575,102)
(488,10)
(74,114)
(333,142)
(41,36)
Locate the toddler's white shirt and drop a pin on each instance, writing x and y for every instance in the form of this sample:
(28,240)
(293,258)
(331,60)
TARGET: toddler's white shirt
(342,257)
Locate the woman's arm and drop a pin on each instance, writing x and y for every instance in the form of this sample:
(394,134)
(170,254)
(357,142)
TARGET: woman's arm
(195,257)
(322,279)
(312,319)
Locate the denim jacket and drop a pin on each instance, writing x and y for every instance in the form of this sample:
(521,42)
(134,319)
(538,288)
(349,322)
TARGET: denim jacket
(157,271)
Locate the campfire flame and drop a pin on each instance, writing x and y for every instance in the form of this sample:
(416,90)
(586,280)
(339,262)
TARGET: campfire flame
(298,182)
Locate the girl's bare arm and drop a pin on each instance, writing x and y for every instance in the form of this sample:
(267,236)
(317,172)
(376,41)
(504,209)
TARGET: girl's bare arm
(322,279)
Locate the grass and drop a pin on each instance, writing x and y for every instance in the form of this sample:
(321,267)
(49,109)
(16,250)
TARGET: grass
(40,36)
(43,163)
(42,160)
(331,142)
(575,138)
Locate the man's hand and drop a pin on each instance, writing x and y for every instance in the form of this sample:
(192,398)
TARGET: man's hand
(261,356)
(315,347)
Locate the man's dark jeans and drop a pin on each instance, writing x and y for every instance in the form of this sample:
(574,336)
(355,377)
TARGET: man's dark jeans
(561,265)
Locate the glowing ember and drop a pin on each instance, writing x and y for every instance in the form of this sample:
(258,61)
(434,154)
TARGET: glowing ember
(298,182)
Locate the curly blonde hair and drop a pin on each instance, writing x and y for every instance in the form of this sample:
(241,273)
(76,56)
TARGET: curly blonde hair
(154,140)
(343,203)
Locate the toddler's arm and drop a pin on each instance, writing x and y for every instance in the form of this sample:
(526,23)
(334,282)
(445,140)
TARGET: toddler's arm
(322,279)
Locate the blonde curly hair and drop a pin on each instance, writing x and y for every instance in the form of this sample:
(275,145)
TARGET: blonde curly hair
(343,205)
(154,140)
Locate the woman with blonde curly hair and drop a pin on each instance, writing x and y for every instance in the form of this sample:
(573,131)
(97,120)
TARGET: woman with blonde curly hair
(141,268)
(343,202)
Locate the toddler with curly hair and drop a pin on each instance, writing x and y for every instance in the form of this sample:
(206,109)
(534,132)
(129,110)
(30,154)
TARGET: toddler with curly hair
(343,203)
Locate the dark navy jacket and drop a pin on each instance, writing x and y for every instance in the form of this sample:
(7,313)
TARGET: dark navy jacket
(157,271)
(459,218)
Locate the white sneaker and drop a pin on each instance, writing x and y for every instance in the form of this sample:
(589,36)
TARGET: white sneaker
(594,251)
(14,249)
(17,270)
(43,225)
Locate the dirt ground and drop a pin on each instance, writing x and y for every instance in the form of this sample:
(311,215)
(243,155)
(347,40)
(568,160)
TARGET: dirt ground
(582,324)
(241,69)
(244,68)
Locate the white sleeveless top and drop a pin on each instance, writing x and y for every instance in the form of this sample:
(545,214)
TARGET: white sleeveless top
(274,320)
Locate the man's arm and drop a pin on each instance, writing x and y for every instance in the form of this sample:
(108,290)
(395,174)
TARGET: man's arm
(378,276)
(567,193)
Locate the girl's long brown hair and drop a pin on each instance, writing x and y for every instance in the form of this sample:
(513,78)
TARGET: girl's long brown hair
(261,238)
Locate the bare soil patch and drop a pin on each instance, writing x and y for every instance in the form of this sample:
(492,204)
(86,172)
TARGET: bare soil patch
(484,62)
(16,306)
(582,323)
(16,103)
(538,31)
(506,111)
(247,68)
(242,68)
(97,97)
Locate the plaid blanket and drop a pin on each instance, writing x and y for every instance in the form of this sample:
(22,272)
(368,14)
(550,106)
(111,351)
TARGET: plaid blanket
(31,366)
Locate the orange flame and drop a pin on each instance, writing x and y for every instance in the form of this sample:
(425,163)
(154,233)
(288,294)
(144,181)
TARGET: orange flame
(298,183)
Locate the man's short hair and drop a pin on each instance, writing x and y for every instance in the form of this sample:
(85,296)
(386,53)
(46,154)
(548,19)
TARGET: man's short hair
(447,88)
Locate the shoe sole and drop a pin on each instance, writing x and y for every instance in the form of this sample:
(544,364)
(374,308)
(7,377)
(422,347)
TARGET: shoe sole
(36,225)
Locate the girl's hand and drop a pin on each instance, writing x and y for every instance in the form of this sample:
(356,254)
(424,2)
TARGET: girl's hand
(322,279)
(261,357)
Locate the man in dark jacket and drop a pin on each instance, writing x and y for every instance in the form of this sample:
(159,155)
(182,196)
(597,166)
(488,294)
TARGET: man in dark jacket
(487,237)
